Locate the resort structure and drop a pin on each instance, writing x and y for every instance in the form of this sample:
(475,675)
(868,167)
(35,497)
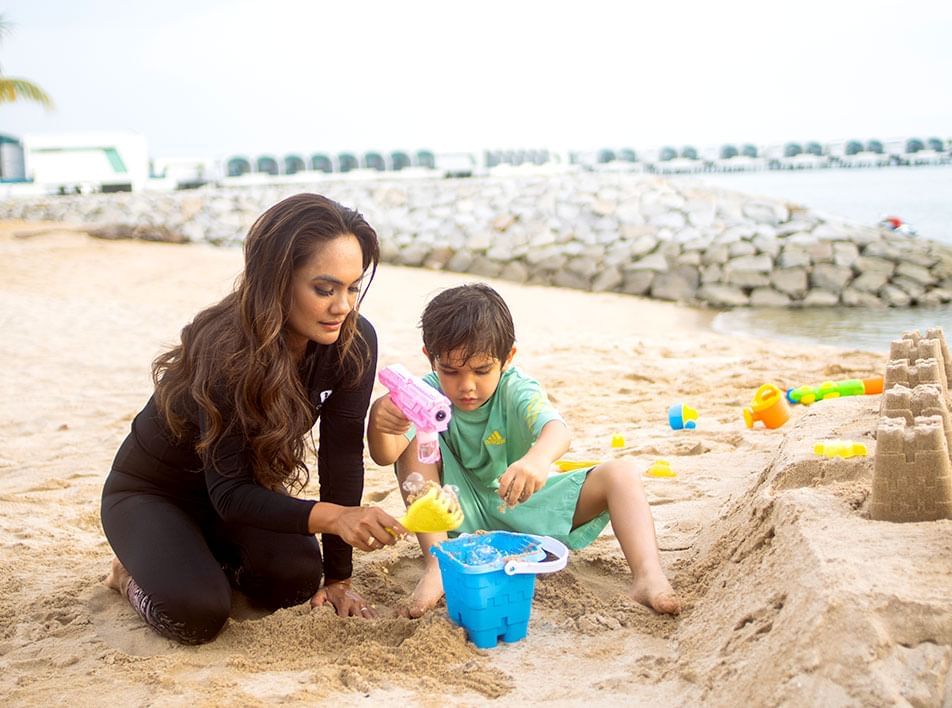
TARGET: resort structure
(120,162)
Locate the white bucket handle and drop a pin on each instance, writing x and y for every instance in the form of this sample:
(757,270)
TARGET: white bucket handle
(556,548)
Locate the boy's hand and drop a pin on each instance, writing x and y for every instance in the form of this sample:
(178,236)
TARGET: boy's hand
(385,417)
(521,480)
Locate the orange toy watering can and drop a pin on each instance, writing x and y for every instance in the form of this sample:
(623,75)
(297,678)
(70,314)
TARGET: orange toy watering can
(769,406)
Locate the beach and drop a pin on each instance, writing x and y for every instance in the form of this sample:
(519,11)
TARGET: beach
(793,596)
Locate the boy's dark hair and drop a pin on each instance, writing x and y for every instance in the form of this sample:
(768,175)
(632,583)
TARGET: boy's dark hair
(472,319)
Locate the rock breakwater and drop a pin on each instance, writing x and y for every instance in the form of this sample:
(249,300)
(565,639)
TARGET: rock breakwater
(601,232)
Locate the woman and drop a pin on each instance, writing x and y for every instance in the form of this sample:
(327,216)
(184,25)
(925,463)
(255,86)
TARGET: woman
(198,498)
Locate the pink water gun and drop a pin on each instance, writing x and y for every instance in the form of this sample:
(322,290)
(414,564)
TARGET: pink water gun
(423,405)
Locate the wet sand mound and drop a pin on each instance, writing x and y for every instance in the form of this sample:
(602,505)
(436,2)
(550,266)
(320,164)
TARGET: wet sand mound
(800,598)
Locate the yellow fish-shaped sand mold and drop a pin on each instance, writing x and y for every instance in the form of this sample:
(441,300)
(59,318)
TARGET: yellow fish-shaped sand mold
(839,448)
(660,468)
(433,512)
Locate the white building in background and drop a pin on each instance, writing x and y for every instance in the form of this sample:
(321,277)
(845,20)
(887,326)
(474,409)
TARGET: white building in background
(11,159)
(169,173)
(86,162)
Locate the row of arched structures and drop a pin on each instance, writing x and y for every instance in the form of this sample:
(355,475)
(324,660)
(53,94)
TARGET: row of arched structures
(771,157)
(322,162)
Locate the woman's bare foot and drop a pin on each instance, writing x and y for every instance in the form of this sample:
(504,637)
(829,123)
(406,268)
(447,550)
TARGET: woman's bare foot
(426,594)
(653,590)
(118,578)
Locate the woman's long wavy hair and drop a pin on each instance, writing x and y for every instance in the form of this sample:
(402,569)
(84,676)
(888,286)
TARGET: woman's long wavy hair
(234,361)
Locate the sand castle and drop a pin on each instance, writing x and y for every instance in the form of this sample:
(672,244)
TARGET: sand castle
(912,473)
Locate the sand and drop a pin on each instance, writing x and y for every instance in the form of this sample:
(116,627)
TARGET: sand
(792,595)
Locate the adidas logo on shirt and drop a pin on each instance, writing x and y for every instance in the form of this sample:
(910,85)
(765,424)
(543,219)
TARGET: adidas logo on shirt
(495,439)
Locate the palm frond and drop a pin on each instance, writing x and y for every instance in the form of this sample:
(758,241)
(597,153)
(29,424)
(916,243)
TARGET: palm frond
(20,89)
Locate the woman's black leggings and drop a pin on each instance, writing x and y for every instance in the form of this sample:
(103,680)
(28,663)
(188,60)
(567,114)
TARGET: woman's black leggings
(183,559)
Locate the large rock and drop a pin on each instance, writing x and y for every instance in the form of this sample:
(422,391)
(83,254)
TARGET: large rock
(793,257)
(671,220)
(831,231)
(767,245)
(821,252)
(742,248)
(438,258)
(481,241)
(609,279)
(711,274)
(747,278)
(413,254)
(584,266)
(655,262)
(549,258)
(766,212)
(871,281)
(791,281)
(868,264)
(716,253)
(917,273)
(859,298)
(643,245)
(752,264)
(845,253)
(830,277)
(637,282)
(722,295)
(484,267)
(768,297)
(515,271)
(894,296)
(673,286)
(460,262)
(937,296)
(568,279)
(912,288)
(821,298)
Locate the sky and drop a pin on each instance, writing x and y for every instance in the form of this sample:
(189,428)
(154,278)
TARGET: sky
(210,78)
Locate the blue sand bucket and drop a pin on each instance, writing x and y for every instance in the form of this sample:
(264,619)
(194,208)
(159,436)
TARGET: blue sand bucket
(489,580)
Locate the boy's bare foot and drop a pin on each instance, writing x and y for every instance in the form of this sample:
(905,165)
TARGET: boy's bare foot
(118,578)
(426,594)
(653,590)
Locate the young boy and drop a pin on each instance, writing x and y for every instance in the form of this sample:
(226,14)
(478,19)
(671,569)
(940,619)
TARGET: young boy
(499,448)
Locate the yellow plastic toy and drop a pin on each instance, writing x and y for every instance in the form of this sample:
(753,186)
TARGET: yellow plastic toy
(660,468)
(618,441)
(769,406)
(569,465)
(839,448)
(435,511)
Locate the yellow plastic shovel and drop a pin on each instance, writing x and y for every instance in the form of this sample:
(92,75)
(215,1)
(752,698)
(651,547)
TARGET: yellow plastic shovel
(433,512)
(569,465)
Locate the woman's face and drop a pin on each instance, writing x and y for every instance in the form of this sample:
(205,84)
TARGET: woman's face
(323,291)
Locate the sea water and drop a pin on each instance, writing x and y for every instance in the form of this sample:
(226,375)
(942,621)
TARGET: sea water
(847,327)
(920,196)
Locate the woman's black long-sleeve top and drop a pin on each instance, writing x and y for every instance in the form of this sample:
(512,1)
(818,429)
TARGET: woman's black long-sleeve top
(232,489)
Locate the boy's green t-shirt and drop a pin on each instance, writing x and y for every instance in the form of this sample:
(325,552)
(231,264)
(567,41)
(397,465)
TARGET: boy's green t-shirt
(479,446)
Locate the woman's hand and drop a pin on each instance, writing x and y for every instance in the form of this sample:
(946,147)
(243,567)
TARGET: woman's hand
(367,528)
(386,418)
(343,599)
